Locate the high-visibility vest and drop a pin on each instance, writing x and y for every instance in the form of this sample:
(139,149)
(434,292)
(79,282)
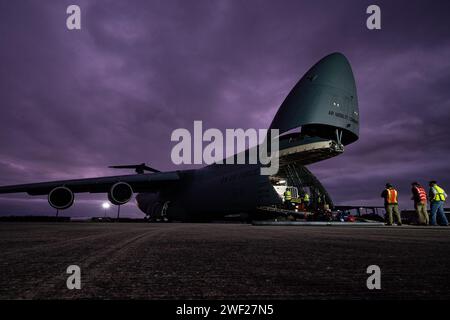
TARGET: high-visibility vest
(422,194)
(287,195)
(440,193)
(306,197)
(391,196)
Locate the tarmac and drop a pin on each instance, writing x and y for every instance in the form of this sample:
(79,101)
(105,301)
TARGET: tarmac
(222,261)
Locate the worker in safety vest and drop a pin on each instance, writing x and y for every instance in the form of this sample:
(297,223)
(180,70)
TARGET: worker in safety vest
(287,199)
(306,200)
(420,203)
(437,198)
(390,196)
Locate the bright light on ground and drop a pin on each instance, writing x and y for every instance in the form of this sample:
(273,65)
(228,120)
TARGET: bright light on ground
(106,205)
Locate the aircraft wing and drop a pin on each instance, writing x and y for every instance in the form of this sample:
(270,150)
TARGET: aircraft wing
(138,182)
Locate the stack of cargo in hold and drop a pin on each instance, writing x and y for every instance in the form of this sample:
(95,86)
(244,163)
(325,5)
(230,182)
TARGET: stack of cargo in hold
(316,120)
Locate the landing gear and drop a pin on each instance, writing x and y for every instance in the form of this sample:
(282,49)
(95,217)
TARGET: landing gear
(159,213)
(164,215)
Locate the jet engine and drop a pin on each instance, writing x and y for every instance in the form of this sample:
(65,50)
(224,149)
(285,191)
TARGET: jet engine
(61,198)
(120,193)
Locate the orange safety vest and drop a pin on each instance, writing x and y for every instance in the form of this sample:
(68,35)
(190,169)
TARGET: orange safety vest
(422,194)
(391,196)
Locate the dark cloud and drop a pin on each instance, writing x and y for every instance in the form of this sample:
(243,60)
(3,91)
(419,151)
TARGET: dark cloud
(73,103)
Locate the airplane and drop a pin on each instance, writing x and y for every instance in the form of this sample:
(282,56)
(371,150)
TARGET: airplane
(316,120)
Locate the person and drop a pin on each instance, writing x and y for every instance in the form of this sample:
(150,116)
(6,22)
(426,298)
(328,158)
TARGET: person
(420,203)
(287,199)
(437,199)
(390,196)
(319,199)
(306,200)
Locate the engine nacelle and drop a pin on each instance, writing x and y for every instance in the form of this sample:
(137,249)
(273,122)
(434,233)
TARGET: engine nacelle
(120,193)
(61,198)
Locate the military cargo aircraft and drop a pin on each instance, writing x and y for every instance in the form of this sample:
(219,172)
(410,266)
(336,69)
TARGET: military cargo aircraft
(316,120)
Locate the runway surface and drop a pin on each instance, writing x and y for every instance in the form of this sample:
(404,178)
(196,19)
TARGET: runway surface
(221,261)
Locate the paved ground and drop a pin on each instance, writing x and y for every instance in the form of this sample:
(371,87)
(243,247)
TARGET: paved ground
(234,261)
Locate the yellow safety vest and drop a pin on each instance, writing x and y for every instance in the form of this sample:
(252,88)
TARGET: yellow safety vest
(440,193)
(287,195)
(306,197)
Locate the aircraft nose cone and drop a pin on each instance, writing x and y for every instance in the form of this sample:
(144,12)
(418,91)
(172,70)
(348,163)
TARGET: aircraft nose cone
(322,101)
(333,70)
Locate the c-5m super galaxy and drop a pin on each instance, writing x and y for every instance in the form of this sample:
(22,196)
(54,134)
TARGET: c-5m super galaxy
(316,120)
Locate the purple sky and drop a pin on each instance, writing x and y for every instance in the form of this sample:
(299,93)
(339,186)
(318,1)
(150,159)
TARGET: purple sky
(74,102)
